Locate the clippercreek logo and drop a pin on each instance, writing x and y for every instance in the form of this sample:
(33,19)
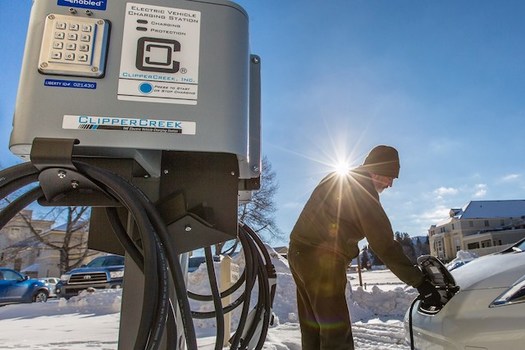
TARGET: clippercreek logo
(90,122)
(88,4)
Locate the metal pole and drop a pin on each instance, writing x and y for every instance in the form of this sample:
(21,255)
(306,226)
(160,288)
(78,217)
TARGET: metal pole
(359,271)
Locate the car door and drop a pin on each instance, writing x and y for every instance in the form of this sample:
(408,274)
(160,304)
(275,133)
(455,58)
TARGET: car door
(14,288)
(3,286)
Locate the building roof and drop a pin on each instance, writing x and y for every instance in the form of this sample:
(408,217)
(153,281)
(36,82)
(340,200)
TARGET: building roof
(493,209)
(63,228)
(489,209)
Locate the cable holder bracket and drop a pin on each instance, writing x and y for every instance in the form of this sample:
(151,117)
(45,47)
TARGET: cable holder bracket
(60,180)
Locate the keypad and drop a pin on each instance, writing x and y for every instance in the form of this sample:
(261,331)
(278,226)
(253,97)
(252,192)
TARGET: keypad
(74,45)
(73,42)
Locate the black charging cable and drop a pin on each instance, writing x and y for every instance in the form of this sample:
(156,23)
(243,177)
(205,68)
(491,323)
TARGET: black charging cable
(410,322)
(153,256)
(258,270)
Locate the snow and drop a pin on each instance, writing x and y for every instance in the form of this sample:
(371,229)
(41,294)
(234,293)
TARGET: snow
(91,320)
(464,255)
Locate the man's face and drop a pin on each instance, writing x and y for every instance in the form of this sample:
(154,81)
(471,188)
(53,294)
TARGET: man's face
(381,182)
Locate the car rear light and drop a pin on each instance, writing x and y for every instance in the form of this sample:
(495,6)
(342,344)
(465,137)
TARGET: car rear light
(515,294)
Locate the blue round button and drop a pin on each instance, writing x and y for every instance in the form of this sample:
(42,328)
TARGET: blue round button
(146,88)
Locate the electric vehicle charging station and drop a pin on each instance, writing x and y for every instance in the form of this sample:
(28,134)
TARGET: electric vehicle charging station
(148,111)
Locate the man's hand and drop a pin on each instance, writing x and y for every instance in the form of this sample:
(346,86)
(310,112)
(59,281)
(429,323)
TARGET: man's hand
(428,294)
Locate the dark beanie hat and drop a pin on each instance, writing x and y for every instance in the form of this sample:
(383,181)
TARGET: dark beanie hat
(383,160)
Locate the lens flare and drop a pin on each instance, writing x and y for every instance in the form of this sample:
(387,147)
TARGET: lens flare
(342,168)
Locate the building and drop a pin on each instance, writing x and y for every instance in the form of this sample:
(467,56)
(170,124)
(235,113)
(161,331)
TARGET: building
(482,227)
(39,256)
(19,229)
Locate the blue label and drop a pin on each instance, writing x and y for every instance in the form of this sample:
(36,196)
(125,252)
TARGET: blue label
(70,84)
(86,4)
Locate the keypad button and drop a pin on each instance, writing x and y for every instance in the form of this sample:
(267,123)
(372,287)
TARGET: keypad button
(86,28)
(60,25)
(72,36)
(58,45)
(83,47)
(83,57)
(70,56)
(60,35)
(74,27)
(71,46)
(56,55)
(85,37)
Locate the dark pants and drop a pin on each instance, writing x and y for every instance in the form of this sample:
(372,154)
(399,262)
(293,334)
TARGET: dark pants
(321,280)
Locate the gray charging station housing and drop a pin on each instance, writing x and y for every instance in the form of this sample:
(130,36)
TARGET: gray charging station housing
(175,77)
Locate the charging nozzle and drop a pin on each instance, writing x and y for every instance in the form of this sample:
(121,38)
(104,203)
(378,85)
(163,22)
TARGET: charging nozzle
(437,274)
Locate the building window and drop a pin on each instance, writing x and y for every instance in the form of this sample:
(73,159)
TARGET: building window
(474,245)
(471,224)
(486,243)
(487,224)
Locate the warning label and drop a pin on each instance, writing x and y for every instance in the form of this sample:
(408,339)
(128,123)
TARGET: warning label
(160,55)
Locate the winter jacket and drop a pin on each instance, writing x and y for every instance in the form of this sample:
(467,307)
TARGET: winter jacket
(343,210)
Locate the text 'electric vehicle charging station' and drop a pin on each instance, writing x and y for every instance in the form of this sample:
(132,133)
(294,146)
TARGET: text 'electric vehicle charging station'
(150,113)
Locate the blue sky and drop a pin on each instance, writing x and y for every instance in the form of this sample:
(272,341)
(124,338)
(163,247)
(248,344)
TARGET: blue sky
(442,81)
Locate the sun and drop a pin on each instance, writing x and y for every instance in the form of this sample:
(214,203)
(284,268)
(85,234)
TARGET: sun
(342,168)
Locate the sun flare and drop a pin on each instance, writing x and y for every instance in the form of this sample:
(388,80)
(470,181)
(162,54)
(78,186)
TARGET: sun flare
(342,168)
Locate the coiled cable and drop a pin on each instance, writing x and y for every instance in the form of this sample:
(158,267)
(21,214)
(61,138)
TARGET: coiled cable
(256,271)
(155,257)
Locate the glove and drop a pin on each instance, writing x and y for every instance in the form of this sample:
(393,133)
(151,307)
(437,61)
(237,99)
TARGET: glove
(428,294)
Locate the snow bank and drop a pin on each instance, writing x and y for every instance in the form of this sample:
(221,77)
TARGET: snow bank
(364,304)
(101,302)
(384,304)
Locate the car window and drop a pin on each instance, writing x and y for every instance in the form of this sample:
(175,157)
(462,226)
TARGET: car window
(96,262)
(196,261)
(107,261)
(112,261)
(521,246)
(11,275)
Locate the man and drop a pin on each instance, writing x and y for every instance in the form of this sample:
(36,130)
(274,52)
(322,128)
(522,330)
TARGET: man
(342,210)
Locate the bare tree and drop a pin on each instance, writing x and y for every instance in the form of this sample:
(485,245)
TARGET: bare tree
(73,244)
(258,213)
(69,238)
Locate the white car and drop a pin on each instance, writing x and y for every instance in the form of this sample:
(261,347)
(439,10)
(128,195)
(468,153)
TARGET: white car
(51,283)
(487,313)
